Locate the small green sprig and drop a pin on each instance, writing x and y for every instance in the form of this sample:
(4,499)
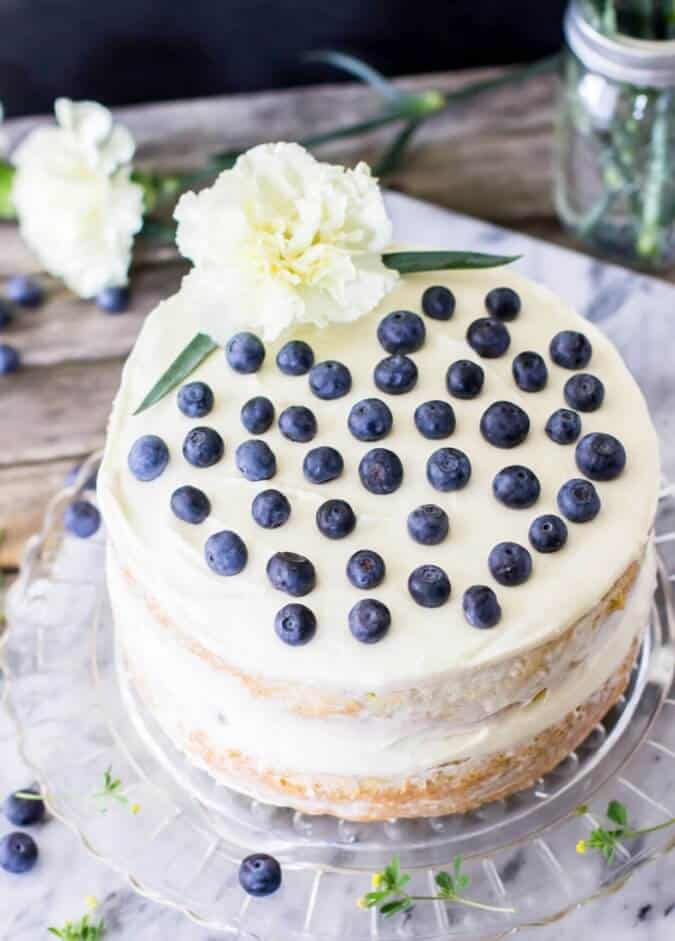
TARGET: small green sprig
(82,930)
(605,840)
(113,790)
(390,896)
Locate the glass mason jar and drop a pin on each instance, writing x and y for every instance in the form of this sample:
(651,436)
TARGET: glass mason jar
(615,169)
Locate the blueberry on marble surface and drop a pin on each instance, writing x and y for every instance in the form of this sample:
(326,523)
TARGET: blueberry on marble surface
(481,607)
(18,852)
(510,563)
(257,415)
(26,292)
(295,624)
(297,423)
(429,586)
(24,811)
(195,399)
(504,425)
(335,519)
(81,519)
(428,524)
(435,419)
(6,316)
(148,457)
(401,331)
(438,302)
(113,300)
(548,533)
(10,359)
(322,464)
(203,447)
(370,420)
(564,426)
(584,392)
(295,358)
(578,500)
(330,380)
(190,504)
(366,569)
(226,553)
(369,620)
(600,456)
(270,509)
(245,352)
(260,875)
(488,337)
(570,349)
(381,471)
(516,487)
(291,573)
(448,469)
(255,460)
(464,379)
(395,374)
(503,303)
(530,371)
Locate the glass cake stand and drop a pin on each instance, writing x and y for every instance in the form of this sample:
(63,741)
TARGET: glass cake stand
(77,716)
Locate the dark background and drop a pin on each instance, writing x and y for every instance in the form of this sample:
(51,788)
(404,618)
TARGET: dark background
(125,51)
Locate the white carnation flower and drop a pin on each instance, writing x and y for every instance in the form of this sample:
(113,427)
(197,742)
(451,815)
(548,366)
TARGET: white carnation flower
(77,207)
(283,239)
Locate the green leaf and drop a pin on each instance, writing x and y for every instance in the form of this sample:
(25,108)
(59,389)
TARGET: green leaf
(356,67)
(392,908)
(7,210)
(411,262)
(185,363)
(617,812)
(443,881)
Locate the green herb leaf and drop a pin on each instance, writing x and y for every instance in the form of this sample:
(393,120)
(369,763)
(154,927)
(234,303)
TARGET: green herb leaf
(444,882)
(7,210)
(392,908)
(617,813)
(80,930)
(185,363)
(411,262)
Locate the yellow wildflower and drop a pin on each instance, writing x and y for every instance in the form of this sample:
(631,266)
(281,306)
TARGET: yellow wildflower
(135,808)
(91,902)
(581,847)
(376,880)
(362,902)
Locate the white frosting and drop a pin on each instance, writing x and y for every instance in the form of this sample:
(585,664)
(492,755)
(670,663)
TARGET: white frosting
(234,616)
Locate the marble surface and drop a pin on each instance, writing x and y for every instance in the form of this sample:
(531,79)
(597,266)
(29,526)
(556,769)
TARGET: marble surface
(639,314)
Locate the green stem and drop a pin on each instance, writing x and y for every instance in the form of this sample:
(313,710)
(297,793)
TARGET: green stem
(459,900)
(630,834)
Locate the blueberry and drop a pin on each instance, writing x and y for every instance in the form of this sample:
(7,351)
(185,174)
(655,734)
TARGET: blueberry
(435,419)
(297,423)
(148,457)
(10,359)
(295,358)
(190,504)
(23,811)
(395,374)
(6,316)
(480,606)
(401,332)
(570,349)
(448,469)
(195,399)
(510,564)
(381,471)
(245,352)
(530,372)
(429,586)
(292,573)
(428,524)
(322,464)
(24,291)
(600,456)
(578,500)
(369,620)
(564,426)
(226,553)
(18,852)
(438,302)
(370,420)
(488,337)
(548,533)
(464,379)
(330,380)
(113,300)
(89,483)
(203,447)
(584,392)
(335,519)
(516,487)
(503,303)
(257,415)
(295,624)
(82,519)
(270,509)
(366,569)
(255,460)
(504,425)
(260,874)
